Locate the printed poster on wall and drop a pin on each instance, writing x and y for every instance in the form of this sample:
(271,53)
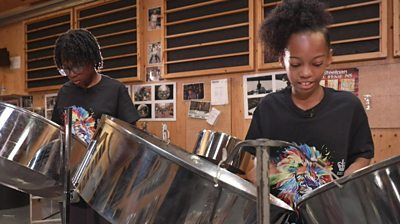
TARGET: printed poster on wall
(341,79)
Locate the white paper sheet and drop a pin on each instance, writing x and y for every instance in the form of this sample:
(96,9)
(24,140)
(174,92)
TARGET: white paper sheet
(219,92)
(212,116)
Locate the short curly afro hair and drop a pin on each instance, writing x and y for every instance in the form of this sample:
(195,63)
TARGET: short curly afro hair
(293,16)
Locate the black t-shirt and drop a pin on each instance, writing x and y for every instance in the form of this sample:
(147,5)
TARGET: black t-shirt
(109,97)
(337,127)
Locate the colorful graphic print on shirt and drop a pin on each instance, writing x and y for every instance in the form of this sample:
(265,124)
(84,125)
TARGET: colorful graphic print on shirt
(297,175)
(83,123)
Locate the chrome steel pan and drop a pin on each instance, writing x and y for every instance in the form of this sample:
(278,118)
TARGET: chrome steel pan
(211,145)
(370,195)
(129,176)
(30,153)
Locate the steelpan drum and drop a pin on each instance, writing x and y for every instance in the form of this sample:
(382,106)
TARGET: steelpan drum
(370,195)
(211,145)
(30,152)
(129,176)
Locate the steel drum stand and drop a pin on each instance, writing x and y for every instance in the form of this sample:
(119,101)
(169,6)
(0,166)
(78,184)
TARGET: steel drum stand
(262,147)
(65,151)
(263,205)
(262,150)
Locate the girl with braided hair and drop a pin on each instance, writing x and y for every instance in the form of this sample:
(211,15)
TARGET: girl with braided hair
(332,122)
(77,55)
(90,94)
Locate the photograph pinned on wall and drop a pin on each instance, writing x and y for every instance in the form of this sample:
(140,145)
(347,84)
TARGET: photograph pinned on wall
(252,105)
(142,93)
(164,111)
(256,86)
(193,91)
(260,85)
(281,81)
(155,102)
(153,74)
(164,92)
(27,102)
(144,110)
(49,103)
(154,19)
(154,53)
(199,109)
(342,79)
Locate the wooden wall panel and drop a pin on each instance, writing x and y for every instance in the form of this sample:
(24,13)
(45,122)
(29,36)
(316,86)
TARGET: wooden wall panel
(382,83)
(387,143)
(12,38)
(148,36)
(223,123)
(239,124)
(184,131)
(396,27)
(12,5)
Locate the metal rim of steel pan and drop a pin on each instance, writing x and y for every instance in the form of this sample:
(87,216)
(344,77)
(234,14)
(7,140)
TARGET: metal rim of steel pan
(30,156)
(369,195)
(130,176)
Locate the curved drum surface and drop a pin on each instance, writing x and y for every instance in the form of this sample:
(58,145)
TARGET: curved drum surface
(30,152)
(370,195)
(211,145)
(129,176)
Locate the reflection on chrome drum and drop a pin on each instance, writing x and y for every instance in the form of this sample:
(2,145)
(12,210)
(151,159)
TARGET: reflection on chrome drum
(30,152)
(129,176)
(211,145)
(370,195)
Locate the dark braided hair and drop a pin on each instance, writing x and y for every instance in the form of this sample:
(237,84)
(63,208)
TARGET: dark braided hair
(293,16)
(78,47)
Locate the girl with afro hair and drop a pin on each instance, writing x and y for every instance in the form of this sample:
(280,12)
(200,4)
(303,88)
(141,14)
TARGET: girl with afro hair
(332,122)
